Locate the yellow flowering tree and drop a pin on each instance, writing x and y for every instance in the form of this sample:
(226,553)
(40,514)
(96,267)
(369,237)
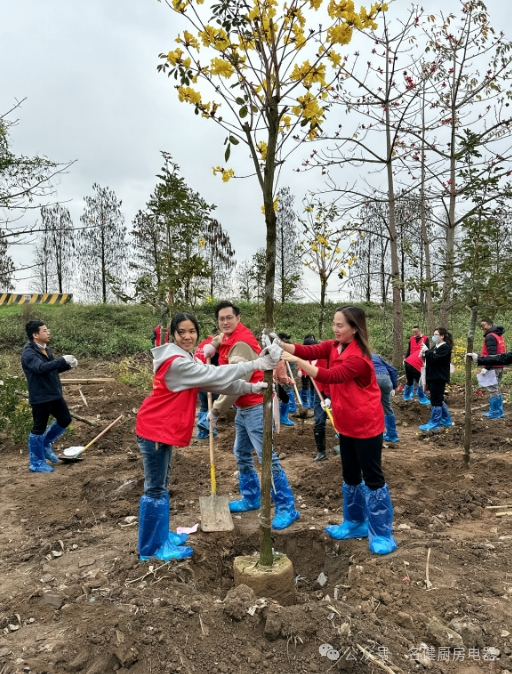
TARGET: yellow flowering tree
(324,247)
(262,70)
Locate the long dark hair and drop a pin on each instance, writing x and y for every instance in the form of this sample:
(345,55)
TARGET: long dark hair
(356,318)
(179,318)
(448,337)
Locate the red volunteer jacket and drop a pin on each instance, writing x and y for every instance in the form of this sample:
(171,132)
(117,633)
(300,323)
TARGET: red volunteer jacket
(500,348)
(414,359)
(242,334)
(167,416)
(357,409)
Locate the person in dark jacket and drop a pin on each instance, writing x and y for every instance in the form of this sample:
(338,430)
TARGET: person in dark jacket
(437,365)
(44,395)
(387,379)
(494,344)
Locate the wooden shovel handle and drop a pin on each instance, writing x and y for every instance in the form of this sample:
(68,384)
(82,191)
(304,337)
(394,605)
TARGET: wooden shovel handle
(213,477)
(103,432)
(290,374)
(329,413)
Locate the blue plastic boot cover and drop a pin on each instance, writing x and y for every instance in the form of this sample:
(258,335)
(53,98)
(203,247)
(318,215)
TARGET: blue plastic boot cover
(291,402)
(283,415)
(154,535)
(422,396)
(304,396)
(408,392)
(36,455)
(355,518)
(51,434)
(390,435)
(446,419)
(500,406)
(284,501)
(175,539)
(380,521)
(495,408)
(251,494)
(435,419)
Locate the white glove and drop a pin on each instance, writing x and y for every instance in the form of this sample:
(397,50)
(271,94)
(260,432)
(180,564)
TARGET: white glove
(424,348)
(69,359)
(259,387)
(212,419)
(216,341)
(275,338)
(266,362)
(474,356)
(274,351)
(484,371)
(209,351)
(74,362)
(326,403)
(393,394)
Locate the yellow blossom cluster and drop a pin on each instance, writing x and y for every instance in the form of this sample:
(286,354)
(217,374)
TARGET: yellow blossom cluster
(227,174)
(262,149)
(275,205)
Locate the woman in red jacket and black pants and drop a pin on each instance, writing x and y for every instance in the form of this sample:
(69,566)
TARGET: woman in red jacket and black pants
(359,419)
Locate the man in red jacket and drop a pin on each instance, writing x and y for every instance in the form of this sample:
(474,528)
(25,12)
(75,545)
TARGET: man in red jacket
(239,344)
(494,345)
(413,364)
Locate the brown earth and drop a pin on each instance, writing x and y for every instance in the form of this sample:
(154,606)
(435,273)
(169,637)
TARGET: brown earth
(75,598)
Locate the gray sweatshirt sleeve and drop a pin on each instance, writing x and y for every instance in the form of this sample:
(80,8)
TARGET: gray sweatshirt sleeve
(184,374)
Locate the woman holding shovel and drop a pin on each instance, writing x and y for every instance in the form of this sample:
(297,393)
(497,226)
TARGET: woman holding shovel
(359,420)
(166,420)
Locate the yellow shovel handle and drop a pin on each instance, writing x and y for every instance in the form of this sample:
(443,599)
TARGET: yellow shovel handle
(329,413)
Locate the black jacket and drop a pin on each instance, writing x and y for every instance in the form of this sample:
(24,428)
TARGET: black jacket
(437,362)
(490,341)
(42,373)
(500,359)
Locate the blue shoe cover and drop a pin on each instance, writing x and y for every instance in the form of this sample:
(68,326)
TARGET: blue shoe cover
(283,412)
(155,539)
(408,392)
(251,494)
(495,408)
(390,435)
(355,519)
(36,455)
(446,419)
(422,396)
(51,434)
(282,496)
(435,419)
(292,403)
(380,521)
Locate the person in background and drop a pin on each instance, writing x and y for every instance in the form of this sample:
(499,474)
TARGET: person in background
(166,420)
(206,349)
(359,419)
(284,385)
(320,415)
(307,391)
(387,379)
(156,337)
(413,364)
(437,365)
(239,343)
(494,344)
(44,395)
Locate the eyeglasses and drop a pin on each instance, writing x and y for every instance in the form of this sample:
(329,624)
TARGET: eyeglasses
(226,319)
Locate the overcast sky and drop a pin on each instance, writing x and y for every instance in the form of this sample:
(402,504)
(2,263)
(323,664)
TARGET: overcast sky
(88,73)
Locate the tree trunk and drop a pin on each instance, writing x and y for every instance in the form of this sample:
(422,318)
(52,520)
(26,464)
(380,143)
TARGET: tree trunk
(424,230)
(469,387)
(321,318)
(266,557)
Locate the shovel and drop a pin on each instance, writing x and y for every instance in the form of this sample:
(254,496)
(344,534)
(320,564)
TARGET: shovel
(302,412)
(215,513)
(73,453)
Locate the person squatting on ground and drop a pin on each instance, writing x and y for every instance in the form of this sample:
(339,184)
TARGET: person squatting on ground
(437,365)
(307,391)
(238,343)
(166,420)
(283,385)
(494,344)
(387,379)
(359,419)
(44,395)
(206,349)
(413,364)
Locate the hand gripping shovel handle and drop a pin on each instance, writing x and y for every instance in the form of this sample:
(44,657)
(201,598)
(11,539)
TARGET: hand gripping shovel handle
(102,433)
(210,437)
(329,413)
(290,374)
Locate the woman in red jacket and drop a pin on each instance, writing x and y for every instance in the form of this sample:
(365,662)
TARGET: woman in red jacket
(166,420)
(359,419)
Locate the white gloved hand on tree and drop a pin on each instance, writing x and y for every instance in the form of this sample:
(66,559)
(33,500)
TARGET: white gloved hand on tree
(275,338)
(69,359)
(259,387)
(473,356)
(209,350)
(326,403)
(266,361)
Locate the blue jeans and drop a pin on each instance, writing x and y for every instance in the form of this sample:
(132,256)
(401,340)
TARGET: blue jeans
(157,458)
(203,400)
(320,414)
(249,439)
(386,386)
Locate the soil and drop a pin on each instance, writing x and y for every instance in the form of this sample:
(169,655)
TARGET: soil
(75,598)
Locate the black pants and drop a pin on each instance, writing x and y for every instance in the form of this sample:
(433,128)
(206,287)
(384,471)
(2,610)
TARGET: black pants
(306,383)
(41,413)
(412,374)
(282,394)
(436,388)
(361,459)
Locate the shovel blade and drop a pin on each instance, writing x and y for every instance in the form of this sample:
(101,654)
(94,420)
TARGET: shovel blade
(215,514)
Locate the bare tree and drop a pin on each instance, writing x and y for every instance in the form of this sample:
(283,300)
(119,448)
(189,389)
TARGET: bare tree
(288,254)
